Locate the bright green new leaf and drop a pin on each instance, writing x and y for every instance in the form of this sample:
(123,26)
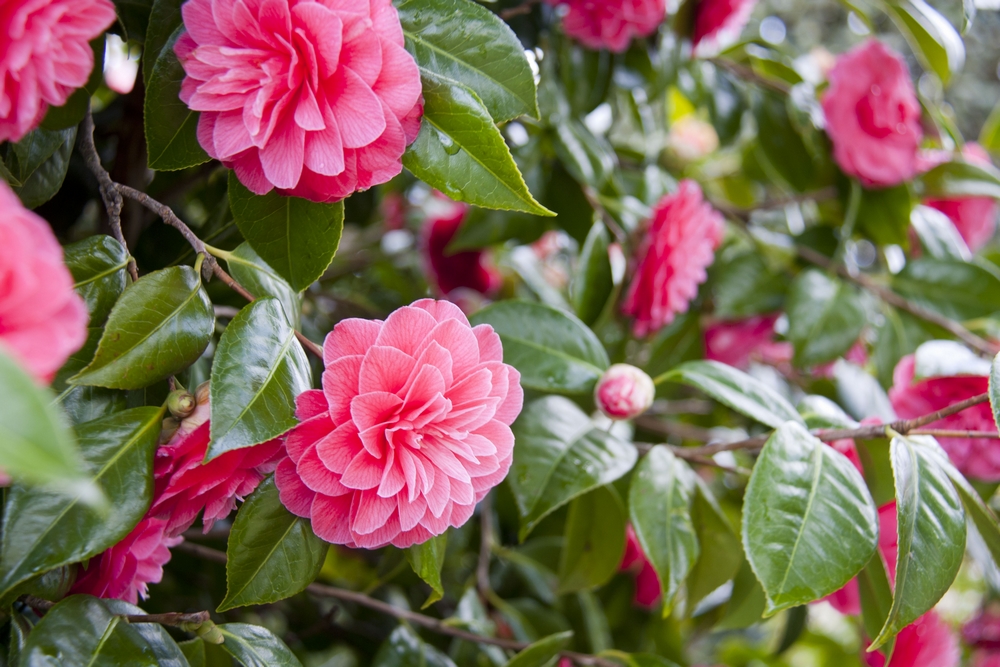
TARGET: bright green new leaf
(254,646)
(541,652)
(825,317)
(594,540)
(98,267)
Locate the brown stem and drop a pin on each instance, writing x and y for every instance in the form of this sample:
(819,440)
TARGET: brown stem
(170,618)
(523,8)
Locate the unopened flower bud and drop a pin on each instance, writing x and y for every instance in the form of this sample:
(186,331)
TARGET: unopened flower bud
(624,392)
(201,393)
(181,403)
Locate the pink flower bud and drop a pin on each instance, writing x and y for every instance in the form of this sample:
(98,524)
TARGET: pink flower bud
(624,392)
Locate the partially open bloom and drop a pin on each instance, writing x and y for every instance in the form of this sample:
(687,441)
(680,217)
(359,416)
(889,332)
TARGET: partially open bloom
(679,245)
(44,56)
(450,271)
(718,23)
(316,99)
(610,24)
(647,584)
(975,218)
(42,320)
(624,392)
(410,430)
(125,571)
(974,457)
(873,116)
(739,342)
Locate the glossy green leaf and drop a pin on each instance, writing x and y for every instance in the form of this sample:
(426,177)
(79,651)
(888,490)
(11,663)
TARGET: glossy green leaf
(45,180)
(466,42)
(589,159)
(720,550)
(80,631)
(931,527)
(933,39)
(809,523)
(273,554)
(884,214)
(961,179)
(748,601)
(44,529)
(561,454)
(593,282)
(249,270)
(27,155)
(660,507)
(165,650)
(875,595)
(594,540)
(426,560)
(541,652)
(254,646)
(939,237)
(98,267)
(171,127)
(989,136)
(743,286)
(958,290)
(404,648)
(83,404)
(461,152)
(158,327)
(978,511)
(735,389)
(825,317)
(553,350)
(258,371)
(780,143)
(898,336)
(164,18)
(296,237)
(200,653)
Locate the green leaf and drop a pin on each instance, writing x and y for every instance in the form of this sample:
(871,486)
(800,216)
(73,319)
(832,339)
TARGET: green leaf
(561,454)
(989,136)
(594,540)
(35,445)
(884,214)
(720,550)
(961,179)
(258,371)
(931,527)
(809,523)
(296,237)
(45,179)
(982,516)
(781,145)
(541,652)
(158,327)
(404,648)
(938,235)
(165,650)
(134,16)
(553,350)
(735,389)
(994,389)
(747,603)
(171,127)
(273,554)
(249,270)
(660,505)
(588,158)
(744,286)
(461,152)
(466,42)
(83,404)
(44,530)
(164,18)
(98,267)
(875,594)
(426,560)
(31,152)
(81,632)
(593,282)
(933,39)
(898,336)
(254,646)
(825,318)
(958,290)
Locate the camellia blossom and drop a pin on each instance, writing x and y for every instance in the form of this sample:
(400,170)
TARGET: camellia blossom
(465,270)
(982,633)
(45,55)
(316,99)
(679,245)
(974,457)
(42,319)
(975,218)
(873,115)
(125,571)
(610,24)
(624,392)
(925,642)
(410,430)
(718,23)
(647,584)
(739,342)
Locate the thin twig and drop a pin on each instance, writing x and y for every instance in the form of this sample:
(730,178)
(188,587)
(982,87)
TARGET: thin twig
(170,618)
(523,8)
(946,433)
(609,221)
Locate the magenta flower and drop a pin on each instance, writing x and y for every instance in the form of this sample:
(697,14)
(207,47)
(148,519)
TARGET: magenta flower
(975,218)
(679,245)
(873,116)
(44,56)
(974,457)
(925,642)
(647,584)
(624,392)
(409,432)
(316,99)
(610,24)
(42,320)
(739,342)
(718,23)
(468,269)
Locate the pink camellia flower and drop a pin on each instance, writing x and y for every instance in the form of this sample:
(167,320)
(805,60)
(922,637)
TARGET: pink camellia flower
(739,342)
(679,245)
(610,24)
(974,457)
(647,584)
(982,633)
(42,320)
(44,56)
(410,430)
(975,218)
(847,599)
(873,116)
(718,23)
(624,392)
(185,485)
(125,570)
(468,269)
(925,642)
(316,99)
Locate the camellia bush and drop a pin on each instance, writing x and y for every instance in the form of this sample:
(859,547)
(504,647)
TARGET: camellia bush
(442,333)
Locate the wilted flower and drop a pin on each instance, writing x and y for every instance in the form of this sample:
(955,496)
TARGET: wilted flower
(450,271)
(409,432)
(624,392)
(610,24)
(975,218)
(44,56)
(718,23)
(316,99)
